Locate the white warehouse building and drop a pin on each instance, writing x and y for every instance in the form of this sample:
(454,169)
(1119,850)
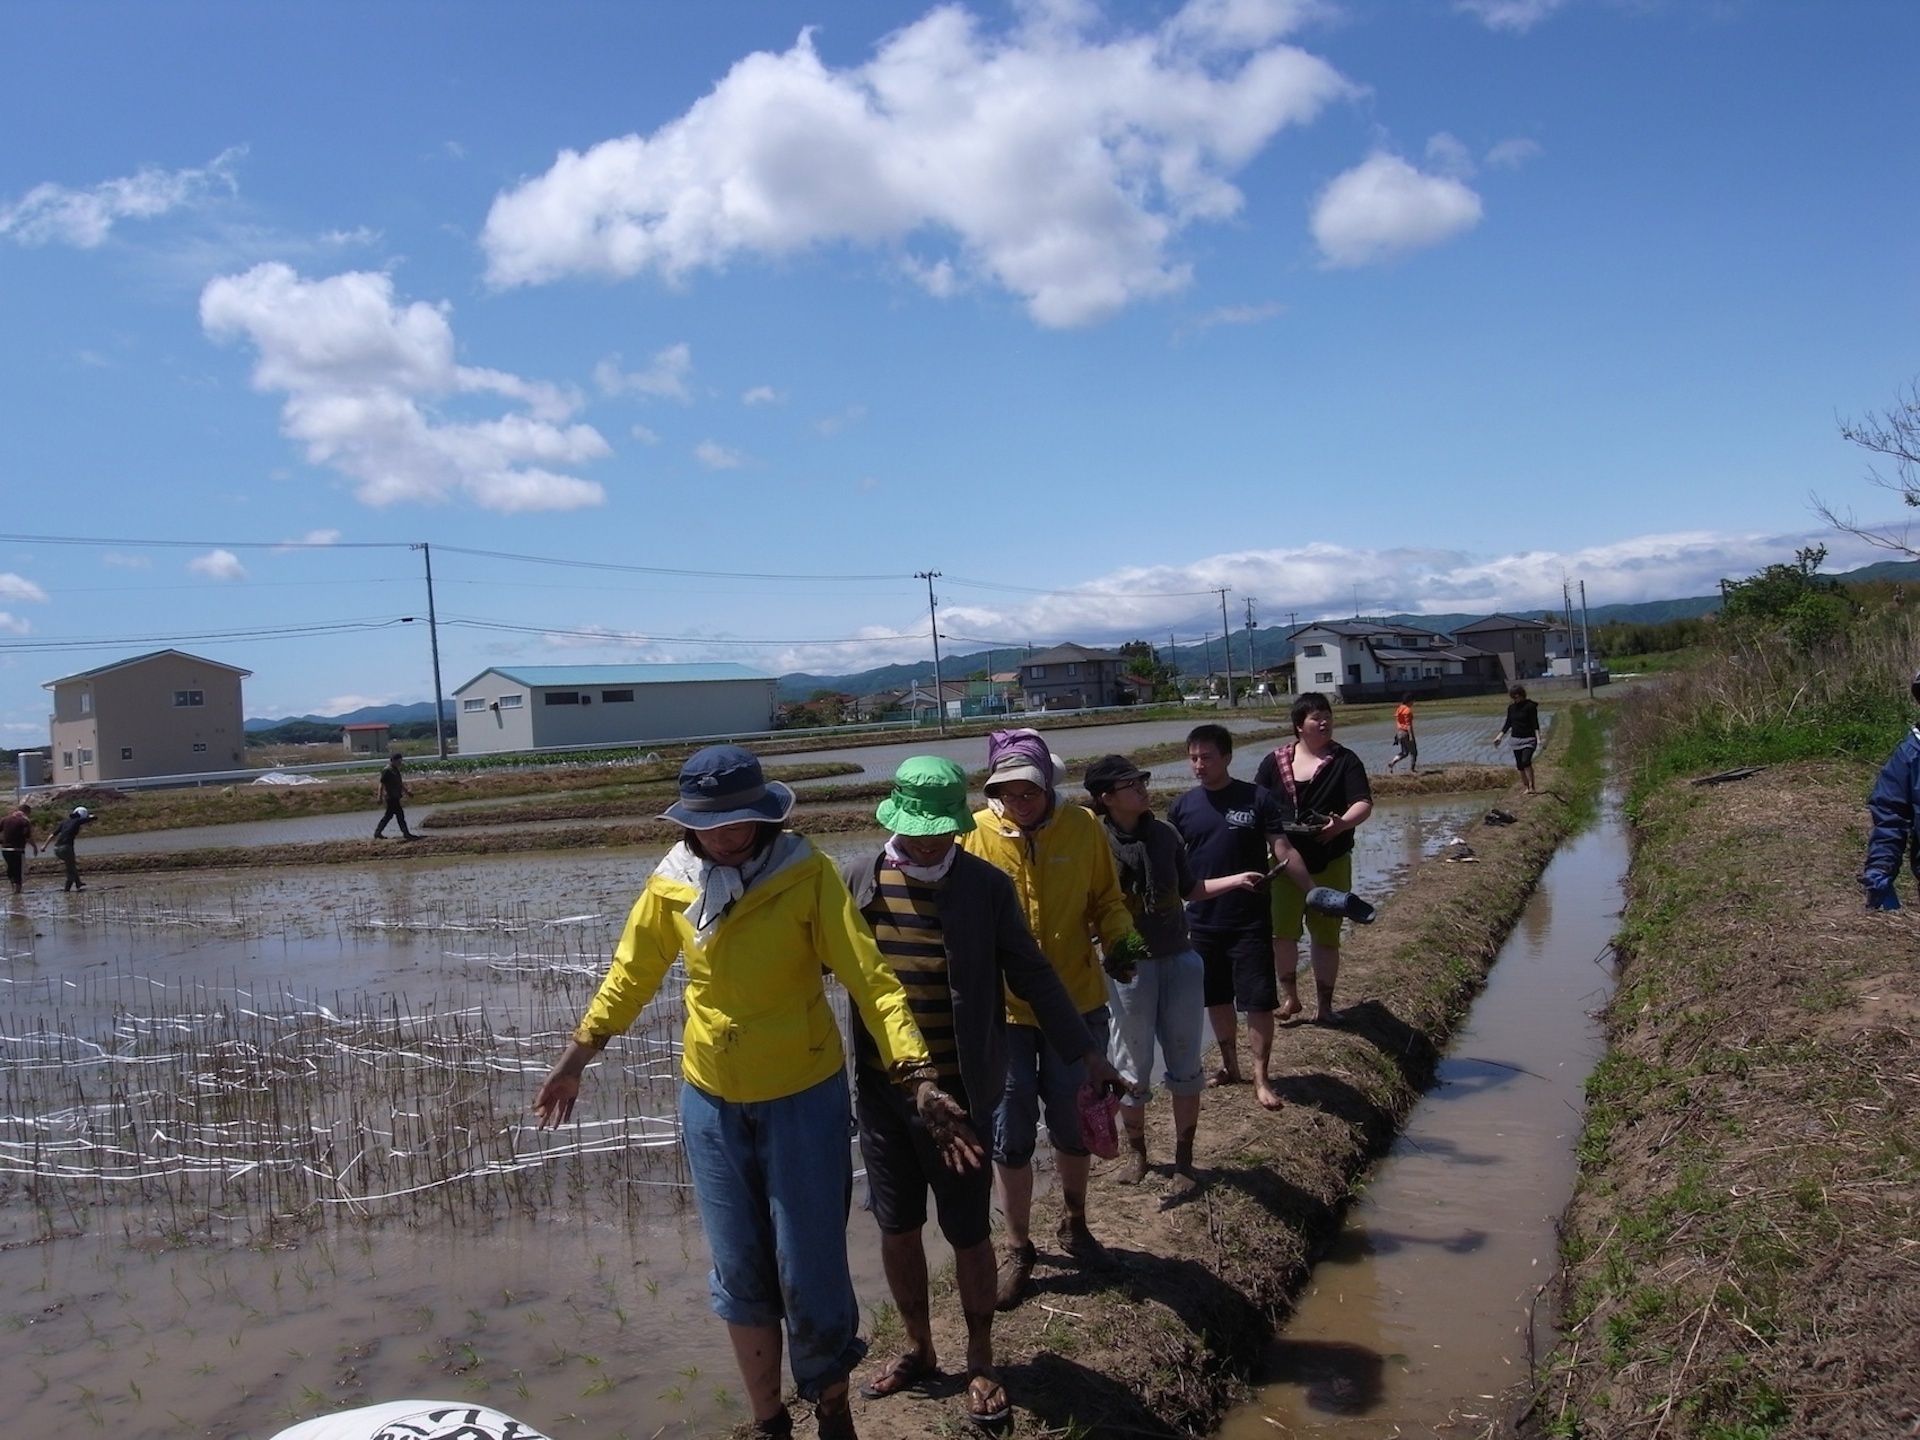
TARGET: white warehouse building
(534,707)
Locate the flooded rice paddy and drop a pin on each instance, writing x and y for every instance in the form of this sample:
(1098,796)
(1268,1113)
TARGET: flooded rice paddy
(264,1151)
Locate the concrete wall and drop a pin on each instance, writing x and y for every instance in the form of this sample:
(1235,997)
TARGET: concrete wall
(663,710)
(128,719)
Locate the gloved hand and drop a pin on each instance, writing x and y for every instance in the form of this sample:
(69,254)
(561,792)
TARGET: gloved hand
(1879,888)
(1123,957)
(1328,901)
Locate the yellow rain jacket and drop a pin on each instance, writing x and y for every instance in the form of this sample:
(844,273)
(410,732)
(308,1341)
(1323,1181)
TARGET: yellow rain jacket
(1069,891)
(758,1023)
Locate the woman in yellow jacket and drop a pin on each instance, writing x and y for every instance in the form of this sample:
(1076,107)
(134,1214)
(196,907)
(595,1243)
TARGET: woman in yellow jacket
(757,912)
(1062,866)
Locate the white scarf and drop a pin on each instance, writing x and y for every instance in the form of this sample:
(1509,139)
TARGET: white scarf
(927,874)
(720,886)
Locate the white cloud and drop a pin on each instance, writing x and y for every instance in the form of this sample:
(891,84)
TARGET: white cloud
(831,425)
(1449,155)
(343,704)
(763,395)
(51,213)
(1384,208)
(715,456)
(1319,582)
(218,565)
(126,562)
(1233,315)
(18,587)
(1055,164)
(312,537)
(644,435)
(14,624)
(362,375)
(1518,16)
(666,377)
(1511,154)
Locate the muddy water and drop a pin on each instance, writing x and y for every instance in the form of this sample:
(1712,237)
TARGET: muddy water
(156,1315)
(1424,1310)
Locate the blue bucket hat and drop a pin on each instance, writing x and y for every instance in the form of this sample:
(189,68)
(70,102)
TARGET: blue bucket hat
(724,785)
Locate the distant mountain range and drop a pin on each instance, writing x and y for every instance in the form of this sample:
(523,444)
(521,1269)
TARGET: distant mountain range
(1269,647)
(365,715)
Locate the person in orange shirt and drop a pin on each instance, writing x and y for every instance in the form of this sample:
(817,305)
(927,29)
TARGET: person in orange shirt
(1405,747)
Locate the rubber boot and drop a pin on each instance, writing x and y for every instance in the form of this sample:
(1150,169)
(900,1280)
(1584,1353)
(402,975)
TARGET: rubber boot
(1185,1181)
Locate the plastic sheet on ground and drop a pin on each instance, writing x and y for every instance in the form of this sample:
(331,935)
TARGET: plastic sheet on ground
(286,777)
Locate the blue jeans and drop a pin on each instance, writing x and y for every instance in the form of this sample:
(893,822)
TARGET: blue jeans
(1037,1077)
(774,1181)
(1163,1002)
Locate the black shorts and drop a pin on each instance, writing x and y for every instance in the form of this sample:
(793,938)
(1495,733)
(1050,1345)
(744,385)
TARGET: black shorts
(1239,968)
(902,1165)
(1523,751)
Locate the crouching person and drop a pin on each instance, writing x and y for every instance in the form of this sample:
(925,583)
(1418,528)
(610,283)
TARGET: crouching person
(950,925)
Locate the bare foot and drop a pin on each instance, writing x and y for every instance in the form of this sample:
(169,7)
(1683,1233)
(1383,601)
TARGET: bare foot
(1268,1097)
(1286,1012)
(1225,1076)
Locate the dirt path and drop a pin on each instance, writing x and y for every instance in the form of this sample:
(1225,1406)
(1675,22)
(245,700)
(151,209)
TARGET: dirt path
(1744,1248)
(1163,1342)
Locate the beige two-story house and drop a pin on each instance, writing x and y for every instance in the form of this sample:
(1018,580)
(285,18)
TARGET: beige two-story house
(165,713)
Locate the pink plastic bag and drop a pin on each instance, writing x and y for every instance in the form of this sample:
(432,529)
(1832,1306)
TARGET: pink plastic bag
(1097,1129)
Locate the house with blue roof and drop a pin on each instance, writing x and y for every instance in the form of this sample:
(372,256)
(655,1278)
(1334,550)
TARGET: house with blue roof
(539,707)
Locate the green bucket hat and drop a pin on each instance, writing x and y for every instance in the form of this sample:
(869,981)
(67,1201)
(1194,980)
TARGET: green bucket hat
(929,798)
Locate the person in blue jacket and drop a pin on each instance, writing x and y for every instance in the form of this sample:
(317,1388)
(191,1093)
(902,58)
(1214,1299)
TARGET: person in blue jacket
(1892,806)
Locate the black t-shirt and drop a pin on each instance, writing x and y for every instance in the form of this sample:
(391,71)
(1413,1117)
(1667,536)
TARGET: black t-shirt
(1523,719)
(1340,781)
(1226,832)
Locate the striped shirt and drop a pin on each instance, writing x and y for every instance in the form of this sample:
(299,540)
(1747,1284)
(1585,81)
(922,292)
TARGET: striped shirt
(905,916)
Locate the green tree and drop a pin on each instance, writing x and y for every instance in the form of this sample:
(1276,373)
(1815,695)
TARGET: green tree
(1794,600)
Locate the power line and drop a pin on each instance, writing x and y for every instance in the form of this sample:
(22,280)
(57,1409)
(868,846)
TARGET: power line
(215,544)
(284,632)
(656,569)
(632,637)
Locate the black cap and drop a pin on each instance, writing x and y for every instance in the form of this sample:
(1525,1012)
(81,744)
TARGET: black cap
(1110,772)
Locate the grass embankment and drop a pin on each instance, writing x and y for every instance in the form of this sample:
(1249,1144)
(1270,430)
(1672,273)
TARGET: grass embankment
(1164,1343)
(1741,1258)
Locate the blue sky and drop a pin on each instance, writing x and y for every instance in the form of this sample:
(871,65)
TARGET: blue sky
(1422,305)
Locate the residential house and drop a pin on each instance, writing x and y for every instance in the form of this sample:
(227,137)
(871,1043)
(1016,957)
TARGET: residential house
(1358,660)
(537,707)
(1519,643)
(1075,677)
(163,713)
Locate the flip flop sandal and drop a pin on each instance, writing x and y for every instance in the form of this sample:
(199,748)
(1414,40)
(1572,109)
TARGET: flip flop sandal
(907,1370)
(986,1418)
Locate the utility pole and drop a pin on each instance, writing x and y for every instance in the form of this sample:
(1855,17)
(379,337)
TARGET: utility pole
(433,641)
(1252,665)
(1226,644)
(1586,639)
(933,617)
(1566,602)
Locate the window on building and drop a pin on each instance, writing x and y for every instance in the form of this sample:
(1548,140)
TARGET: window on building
(511,702)
(563,697)
(1314,651)
(1323,677)
(468,707)
(199,747)
(184,698)
(86,755)
(66,759)
(126,752)
(86,702)
(1036,672)
(616,697)
(1072,670)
